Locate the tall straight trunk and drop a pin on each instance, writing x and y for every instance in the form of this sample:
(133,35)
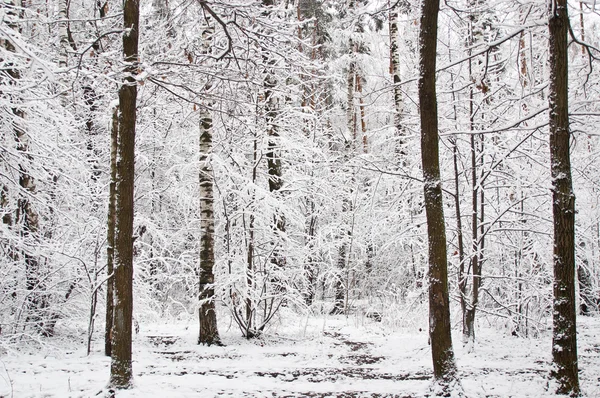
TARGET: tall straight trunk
(249,330)
(586,291)
(273,158)
(350,111)
(469,316)
(209,333)
(273,154)
(582,27)
(523,72)
(350,146)
(564,341)
(110,233)
(37,299)
(475,33)
(586,288)
(395,73)
(63,16)
(310,268)
(462,279)
(444,367)
(121,375)
(363,120)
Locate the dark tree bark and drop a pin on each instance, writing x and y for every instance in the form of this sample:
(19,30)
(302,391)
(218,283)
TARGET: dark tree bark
(121,375)
(444,367)
(564,341)
(110,234)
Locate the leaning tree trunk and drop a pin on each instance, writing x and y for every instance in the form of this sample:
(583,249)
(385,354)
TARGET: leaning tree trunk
(121,375)
(110,233)
(209,333)
(564,341)
(444,367)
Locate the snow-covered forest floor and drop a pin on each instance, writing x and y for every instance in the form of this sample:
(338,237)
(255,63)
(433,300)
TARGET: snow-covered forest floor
(311,357)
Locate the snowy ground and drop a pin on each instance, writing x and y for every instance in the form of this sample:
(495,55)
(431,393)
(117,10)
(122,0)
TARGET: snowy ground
(321,358)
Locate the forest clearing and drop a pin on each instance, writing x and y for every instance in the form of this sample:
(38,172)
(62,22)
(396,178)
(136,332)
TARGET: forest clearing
(303,357)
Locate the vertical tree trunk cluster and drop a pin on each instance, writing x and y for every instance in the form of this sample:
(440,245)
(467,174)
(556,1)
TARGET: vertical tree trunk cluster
(26,219)
(444,367)
(121,375)
(564,341)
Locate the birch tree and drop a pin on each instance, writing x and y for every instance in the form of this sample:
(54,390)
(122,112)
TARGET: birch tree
(209,333)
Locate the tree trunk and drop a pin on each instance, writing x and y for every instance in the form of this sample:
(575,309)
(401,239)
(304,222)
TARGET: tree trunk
(363,120)
(395,73)
(63,24)
(462,278)
(273,155)
(338,306)
(564,342)
(311,267)
(586,290)
(121,375)
(209,333)
(110,233)
(274,164)
(341,288)
(444,367)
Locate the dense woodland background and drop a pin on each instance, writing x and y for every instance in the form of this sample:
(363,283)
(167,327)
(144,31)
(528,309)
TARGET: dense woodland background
(314,161)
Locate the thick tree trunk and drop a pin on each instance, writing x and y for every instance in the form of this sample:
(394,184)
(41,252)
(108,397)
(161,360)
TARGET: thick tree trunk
(444,367)
(110,233)
(564,342)
(209,333)
(121,375)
